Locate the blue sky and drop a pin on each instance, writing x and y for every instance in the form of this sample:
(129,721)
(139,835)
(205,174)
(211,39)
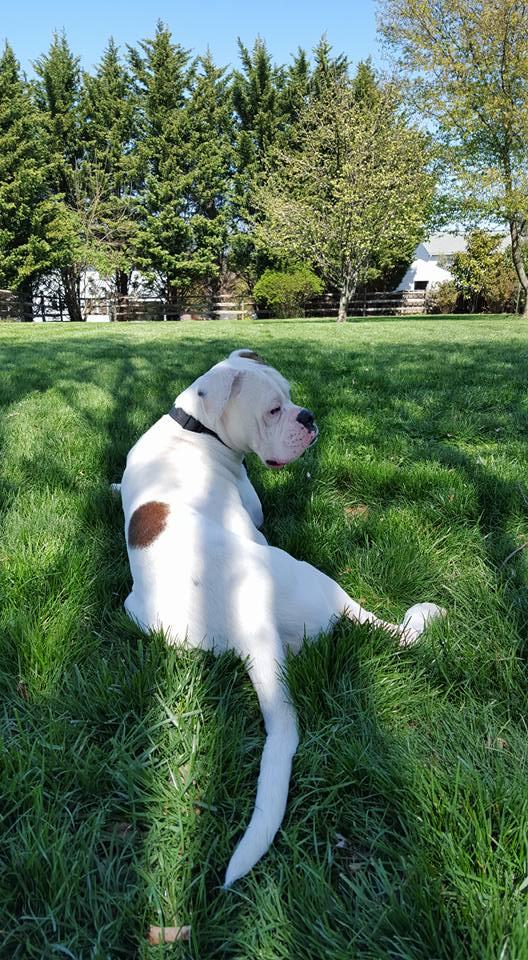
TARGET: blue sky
(349,25)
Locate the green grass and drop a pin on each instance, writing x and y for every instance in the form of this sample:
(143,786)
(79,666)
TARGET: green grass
(128,770)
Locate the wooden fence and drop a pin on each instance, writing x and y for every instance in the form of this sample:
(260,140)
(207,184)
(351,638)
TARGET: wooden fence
(390,303)
(130,309)
(384,304)
(10,308)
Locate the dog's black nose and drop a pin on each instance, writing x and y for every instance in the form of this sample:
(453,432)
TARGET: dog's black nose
(306,417)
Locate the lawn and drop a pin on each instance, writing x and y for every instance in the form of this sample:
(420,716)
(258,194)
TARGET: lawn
(128,770)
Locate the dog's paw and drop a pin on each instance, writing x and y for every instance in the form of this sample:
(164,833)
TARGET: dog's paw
(115,488)
(416,620)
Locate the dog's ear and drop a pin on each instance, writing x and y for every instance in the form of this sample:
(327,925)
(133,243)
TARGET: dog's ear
(216,387)
(248,355)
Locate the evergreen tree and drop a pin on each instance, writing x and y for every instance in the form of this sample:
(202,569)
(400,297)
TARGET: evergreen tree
(260,115)
(110,168)
(365,87)
(258,104)
(297,84)
(328,70)
(161,74)
(31,241)
(22,179)
(206,162)
(58,89)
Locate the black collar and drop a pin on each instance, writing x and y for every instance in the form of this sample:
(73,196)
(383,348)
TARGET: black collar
(191,423)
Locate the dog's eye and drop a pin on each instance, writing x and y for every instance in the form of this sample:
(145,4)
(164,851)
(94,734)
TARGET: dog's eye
(275,410)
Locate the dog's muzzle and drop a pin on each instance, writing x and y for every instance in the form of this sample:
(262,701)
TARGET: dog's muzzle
(306,417)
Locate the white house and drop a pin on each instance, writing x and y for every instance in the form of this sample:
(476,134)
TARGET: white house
(432,259)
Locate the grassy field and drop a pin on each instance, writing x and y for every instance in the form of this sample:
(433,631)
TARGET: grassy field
(128,770)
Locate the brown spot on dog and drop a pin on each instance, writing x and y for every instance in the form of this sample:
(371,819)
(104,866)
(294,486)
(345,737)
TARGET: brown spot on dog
(251,355)
(146,523)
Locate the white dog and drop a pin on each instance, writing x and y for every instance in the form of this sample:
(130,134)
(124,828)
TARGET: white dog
(204,573)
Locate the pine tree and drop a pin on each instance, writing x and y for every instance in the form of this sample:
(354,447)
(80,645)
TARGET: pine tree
(58,90)
(31,241)
(161,75)
(110,166)
(206,162)
(260,116)
(365,86)
(258,105)
(297,83)
(327,69)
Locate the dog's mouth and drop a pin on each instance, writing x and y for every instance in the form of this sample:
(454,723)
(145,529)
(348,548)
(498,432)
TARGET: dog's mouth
(279,464)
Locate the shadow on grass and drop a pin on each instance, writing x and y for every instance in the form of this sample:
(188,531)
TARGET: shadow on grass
(433,403)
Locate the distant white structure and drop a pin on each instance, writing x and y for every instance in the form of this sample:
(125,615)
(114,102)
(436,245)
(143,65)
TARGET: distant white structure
(97,293)
(432,260)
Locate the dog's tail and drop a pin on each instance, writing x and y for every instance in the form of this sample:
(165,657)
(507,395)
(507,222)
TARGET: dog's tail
(275,768)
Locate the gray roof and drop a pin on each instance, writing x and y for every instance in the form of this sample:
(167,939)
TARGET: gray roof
(446,244)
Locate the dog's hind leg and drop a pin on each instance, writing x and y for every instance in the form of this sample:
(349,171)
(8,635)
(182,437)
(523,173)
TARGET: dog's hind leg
(414,622)
(340,604)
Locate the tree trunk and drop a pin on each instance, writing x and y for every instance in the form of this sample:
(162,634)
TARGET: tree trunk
(343,306)
(347,291)
(518,262)
(121,281)
(173,302)
(25,301)
(71,282)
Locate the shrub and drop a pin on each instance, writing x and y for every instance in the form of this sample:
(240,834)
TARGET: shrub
(484,275)
(285,293)
(442,298)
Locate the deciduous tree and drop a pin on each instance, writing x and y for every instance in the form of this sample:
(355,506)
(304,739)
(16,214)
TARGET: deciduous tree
(467,64)
(352,196)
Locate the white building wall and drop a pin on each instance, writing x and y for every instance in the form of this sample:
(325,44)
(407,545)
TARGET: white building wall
(424,269)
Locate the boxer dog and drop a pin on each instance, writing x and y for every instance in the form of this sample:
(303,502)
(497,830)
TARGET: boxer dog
(206,576)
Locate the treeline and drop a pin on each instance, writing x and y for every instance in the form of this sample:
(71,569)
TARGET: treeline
(157,161)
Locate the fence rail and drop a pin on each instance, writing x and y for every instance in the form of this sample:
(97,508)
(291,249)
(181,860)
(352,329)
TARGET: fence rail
(383,303)
(131,309)
(10,307)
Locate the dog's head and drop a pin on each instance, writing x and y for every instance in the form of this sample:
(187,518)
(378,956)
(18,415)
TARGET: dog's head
(248,404)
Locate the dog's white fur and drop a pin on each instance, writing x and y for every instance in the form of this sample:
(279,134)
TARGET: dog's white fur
(209,578)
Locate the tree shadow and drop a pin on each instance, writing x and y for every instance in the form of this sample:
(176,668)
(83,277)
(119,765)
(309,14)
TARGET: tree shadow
(432,402)
(117,783)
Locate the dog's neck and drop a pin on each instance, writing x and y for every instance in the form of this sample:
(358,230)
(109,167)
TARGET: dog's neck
(188,422)
(192,425)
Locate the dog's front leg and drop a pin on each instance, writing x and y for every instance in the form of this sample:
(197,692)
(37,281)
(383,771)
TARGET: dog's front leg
(250,499)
